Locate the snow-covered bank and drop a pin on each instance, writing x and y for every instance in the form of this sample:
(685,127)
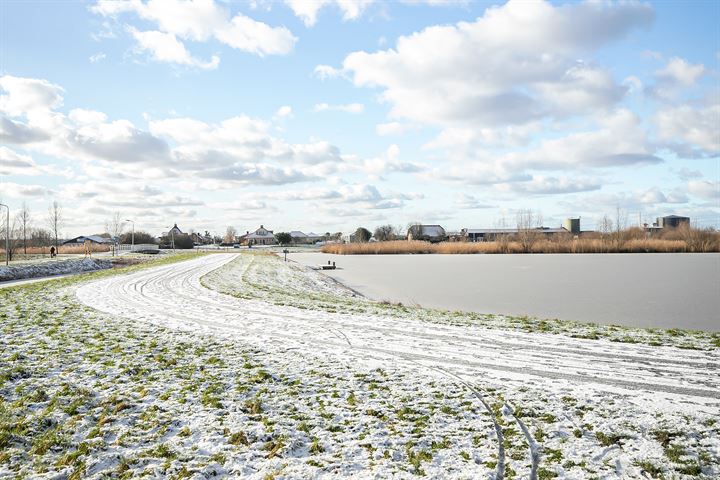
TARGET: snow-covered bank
(52,268)
(594,408)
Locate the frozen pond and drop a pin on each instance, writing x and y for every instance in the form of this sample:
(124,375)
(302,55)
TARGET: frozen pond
(642,290)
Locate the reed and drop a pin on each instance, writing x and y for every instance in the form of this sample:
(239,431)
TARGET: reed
(560,244)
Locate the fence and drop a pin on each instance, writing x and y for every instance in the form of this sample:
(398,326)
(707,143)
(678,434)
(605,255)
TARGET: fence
(139,247)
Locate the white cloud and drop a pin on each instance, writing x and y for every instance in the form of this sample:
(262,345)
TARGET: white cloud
(27,95)
(655,195)
(466,201)
(199,21)
(619,141)
(695,127)
(544,185)
(389,162)
(18,190)
(393,128)
(705,189)
(347,108)
(86,117)
(514,64)
(307,11)
(681,72)
(97,57)
(13,163)
(324,72)
(165,47)
(284,112)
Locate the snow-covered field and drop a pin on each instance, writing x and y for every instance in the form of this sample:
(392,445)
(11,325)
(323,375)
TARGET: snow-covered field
(276,371)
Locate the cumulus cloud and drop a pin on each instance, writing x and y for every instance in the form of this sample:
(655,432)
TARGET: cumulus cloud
(516,63)
(393,128)
(694,127)
(307,10)
(466,201)
(13,163)
(25,96)
(17,190)
(706,189)
(236,151)
(284,112)
(98,57)
(679,71)
(544,185)
(324,72)
(360,196)
(388,162)
(347,108)
(198,21)
(165,47)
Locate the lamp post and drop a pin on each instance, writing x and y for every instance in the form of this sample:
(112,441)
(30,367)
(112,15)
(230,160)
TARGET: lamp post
(172,236)
(132,238)
(7,235)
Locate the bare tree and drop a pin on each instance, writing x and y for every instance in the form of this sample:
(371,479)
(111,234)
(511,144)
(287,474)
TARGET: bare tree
(55,221)
(114,226)
(23,218)
(384,233)
(41,237)
(620,226)
(528,224)
(12,232)
(606,228)
(230,234)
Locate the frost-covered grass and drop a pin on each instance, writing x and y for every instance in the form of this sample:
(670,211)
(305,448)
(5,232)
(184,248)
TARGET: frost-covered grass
(85,394)
(265,276)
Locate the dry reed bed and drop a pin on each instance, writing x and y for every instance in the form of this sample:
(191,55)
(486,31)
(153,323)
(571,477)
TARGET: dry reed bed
(594,245)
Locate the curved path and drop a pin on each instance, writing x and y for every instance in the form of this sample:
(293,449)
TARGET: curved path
(172,296)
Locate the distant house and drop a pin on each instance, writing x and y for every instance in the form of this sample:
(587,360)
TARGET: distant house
(490,234)
(300,238)
(428,233)
(261,236)
(96,239)
(200,239)
(672,221)
(174,231)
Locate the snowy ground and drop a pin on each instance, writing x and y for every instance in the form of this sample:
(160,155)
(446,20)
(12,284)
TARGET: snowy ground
(46,268)
(281,373)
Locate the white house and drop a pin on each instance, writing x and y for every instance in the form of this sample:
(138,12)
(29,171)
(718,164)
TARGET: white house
(261,236)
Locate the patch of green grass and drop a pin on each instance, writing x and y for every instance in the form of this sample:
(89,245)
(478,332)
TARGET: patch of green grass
(650,467)
(238,438)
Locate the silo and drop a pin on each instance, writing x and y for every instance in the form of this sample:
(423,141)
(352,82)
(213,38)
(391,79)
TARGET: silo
(572,225)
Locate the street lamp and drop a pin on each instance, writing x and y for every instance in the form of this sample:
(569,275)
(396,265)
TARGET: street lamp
(7,235)
(172,236)
(132,241)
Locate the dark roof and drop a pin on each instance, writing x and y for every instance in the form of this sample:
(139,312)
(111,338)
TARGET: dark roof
(92,238)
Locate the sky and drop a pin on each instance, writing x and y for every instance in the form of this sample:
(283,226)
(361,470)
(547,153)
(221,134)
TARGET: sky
(328,115)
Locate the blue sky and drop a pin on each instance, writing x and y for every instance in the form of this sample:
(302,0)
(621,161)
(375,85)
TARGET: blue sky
(326,116)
